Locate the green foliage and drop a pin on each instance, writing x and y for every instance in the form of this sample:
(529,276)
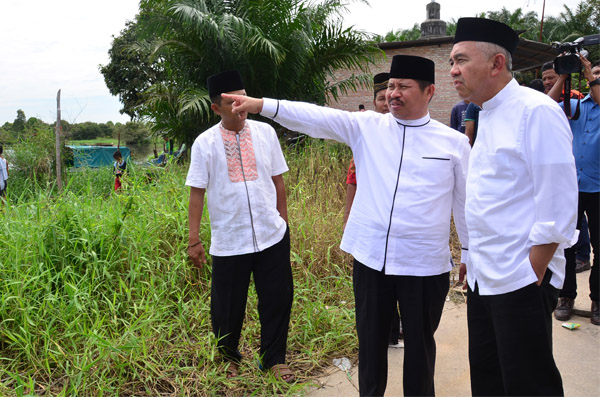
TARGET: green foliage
(97,293)
(283,48)
(34,155)
(129,73)
(18,125)
(399,35)
(89,130)
(133,132)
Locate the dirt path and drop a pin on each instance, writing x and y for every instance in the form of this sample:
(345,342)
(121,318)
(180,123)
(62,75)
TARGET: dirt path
(576,352)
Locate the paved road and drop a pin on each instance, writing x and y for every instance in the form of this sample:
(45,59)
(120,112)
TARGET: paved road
(576,352)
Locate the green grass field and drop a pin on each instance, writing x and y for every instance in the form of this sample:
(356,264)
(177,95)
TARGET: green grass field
(98,297)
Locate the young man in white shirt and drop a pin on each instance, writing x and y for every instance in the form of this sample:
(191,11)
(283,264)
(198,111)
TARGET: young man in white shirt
(520,211)
(412,172)
(239,164)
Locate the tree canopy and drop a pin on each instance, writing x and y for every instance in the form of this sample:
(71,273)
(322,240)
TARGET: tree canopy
(283,48)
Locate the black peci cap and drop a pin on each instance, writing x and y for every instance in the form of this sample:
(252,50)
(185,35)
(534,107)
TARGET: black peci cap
(412,67)
(487,30)
(224,82)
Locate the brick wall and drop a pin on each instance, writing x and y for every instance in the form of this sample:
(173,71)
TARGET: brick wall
(445,95)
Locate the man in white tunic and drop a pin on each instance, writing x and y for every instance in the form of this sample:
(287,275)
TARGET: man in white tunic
(521,214)
(412,172)
(239,164)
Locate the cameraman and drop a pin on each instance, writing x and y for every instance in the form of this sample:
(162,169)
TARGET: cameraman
(553,84)
(586,149)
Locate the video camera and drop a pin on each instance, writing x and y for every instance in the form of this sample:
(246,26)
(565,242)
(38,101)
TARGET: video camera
(570,62)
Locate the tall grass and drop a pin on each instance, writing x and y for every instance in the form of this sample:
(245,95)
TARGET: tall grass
(97,296)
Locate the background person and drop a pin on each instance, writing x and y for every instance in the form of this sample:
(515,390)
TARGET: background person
(554,87)
(520,212)
(3,173)
(550,79)
(586,149)
(457,116)
(412,171)
(472,122)
(239,164)
(119,168)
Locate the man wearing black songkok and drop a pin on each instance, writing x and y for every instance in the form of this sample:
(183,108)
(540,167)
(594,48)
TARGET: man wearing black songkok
(239,164)
(412,171)
(521,212)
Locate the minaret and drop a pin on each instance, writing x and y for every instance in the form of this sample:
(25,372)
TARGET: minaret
(433,25)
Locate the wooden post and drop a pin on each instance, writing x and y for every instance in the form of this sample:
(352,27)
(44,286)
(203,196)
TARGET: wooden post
(58,129)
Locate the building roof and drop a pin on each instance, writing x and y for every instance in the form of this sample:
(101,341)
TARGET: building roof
(529,54)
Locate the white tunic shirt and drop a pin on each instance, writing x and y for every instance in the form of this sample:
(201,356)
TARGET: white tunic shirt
(241,196)
(411,179)
(521,190)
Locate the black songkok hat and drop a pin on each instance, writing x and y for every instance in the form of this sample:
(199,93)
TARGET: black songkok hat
(380,82)
(481,29)
(412,67)
(224,82)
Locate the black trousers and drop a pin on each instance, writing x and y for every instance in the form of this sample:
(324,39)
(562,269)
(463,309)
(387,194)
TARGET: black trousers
(510,342)
(272,273)
(589,203)
(421,300)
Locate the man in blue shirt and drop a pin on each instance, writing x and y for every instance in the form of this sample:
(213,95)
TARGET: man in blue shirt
(586,149)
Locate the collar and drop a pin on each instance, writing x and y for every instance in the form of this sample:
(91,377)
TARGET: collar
(501,95)
(224,130)
(588,97)
(414,123)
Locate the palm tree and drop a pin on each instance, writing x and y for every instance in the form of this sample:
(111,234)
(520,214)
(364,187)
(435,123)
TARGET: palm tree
(283,48)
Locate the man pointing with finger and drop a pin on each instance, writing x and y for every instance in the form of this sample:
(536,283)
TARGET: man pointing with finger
(412,171)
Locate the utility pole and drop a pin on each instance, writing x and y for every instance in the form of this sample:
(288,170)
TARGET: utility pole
(58,129)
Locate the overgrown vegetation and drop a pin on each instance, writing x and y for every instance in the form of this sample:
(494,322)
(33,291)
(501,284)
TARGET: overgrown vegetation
(98,297)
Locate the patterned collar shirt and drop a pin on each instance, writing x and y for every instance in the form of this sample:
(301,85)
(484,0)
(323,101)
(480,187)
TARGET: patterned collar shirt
(521,190)
(412,177)
(236,169)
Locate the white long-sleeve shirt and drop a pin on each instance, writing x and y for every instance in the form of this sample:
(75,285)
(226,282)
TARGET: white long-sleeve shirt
(236,170)
(521,190)
(412,177)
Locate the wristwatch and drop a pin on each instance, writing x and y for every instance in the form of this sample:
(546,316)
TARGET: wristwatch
(594,82)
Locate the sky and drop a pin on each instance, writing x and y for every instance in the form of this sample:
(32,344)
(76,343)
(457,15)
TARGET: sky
(59,44)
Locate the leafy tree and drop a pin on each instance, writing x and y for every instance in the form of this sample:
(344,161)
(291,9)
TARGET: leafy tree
(133,132)
(90,130)
(18,125)
(399,35)
(129,73)
(283,48)
(571,24)
(527,23)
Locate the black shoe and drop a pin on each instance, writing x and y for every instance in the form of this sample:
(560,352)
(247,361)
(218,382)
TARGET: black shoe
(582,266)
(595,313)
(564,310)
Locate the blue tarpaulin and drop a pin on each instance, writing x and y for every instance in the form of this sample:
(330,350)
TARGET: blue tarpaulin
(96,156)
